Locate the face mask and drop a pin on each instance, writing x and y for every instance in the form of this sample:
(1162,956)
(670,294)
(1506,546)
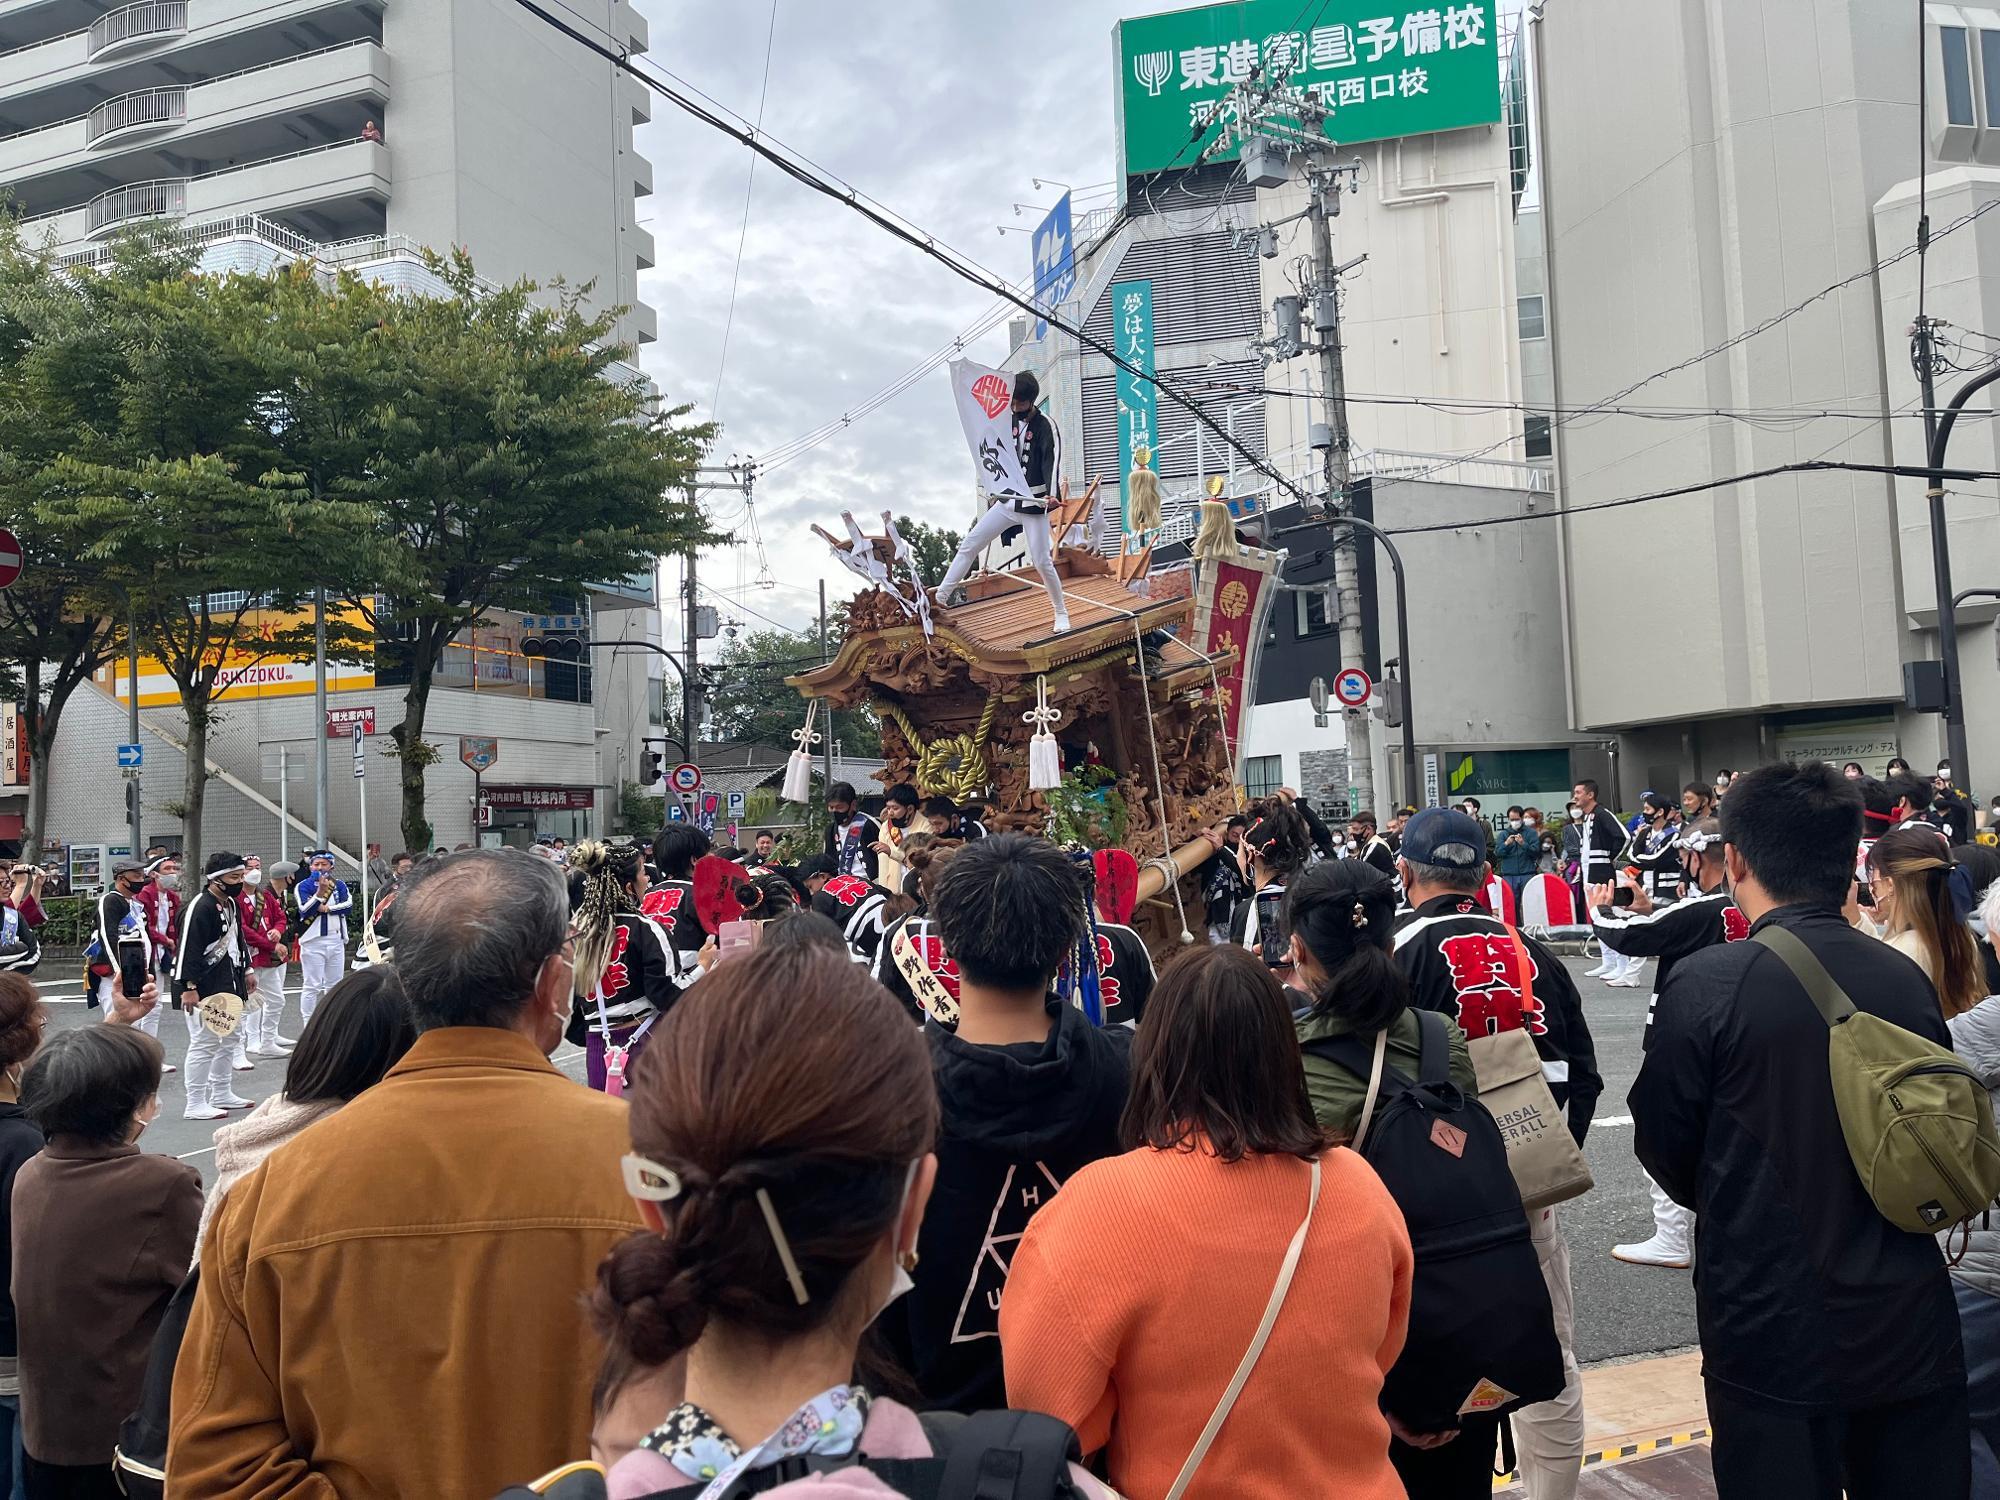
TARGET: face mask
(1944,773)
(148,1112)
(168,880)
(253,877)
(1572,812)
(1354,843)
(1514,823)
(900,1281)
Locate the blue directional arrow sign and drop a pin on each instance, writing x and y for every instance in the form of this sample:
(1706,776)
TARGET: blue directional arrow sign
(131,757)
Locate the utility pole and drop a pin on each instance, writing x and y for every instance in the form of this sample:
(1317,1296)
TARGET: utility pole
(1334,442)
(826,740)
(319,719)
(1937,438)
(690,683)
(133,793)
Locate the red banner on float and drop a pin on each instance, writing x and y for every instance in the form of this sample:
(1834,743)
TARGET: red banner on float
(1232,600)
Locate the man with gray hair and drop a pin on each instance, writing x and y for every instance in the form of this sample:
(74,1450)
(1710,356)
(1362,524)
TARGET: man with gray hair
(1466,962)
(391,1304)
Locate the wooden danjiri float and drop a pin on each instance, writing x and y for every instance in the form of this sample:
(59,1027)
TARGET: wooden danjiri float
(1143,716)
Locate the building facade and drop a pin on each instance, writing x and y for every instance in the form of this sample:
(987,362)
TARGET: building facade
(1752,171)
(353,134)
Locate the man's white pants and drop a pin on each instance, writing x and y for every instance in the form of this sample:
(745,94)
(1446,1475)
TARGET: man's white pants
(1673,1225)
(210,1065)
(321,960)
(272,985)
(1041,551)
(1548,1437)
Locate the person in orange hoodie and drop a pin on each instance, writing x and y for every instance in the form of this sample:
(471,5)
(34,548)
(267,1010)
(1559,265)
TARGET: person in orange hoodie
(1229,1212)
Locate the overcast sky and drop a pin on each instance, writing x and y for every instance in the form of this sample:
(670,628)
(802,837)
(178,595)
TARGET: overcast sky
(939,113)
(944,112)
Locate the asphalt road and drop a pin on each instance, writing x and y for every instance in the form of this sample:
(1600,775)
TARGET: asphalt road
(1621,1310)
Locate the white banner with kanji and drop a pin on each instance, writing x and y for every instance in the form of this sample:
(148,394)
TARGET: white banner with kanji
(984,396)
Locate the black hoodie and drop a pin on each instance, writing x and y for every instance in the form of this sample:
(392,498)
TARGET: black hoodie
(1017,1121)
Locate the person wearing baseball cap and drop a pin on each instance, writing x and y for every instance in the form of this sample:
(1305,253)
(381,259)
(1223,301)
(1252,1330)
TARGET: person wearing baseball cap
(1490,978)
(209,959)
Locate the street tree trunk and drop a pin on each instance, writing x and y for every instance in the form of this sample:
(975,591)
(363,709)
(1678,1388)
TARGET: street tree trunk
(43,719)
(413,754)
(195,705)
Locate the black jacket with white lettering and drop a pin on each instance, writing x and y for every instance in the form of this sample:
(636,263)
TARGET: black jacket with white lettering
(1670,934)
(208,956)
(642,977)
(850,844)
(1016,1122)
(1805,1295)
(854,906)
(1461,960)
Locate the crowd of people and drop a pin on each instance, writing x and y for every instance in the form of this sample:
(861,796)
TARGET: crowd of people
(901,1171)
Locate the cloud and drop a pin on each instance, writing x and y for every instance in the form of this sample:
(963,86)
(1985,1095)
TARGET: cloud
(942,112)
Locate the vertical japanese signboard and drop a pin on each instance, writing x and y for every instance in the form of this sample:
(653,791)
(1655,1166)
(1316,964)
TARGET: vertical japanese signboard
(1377,70)
(1132,323)
(1055,262)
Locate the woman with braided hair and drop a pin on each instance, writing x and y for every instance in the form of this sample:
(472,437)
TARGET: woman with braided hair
(782,1157)
(627,973)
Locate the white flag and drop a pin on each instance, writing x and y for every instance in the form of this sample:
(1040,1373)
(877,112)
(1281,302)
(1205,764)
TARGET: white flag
(984,396)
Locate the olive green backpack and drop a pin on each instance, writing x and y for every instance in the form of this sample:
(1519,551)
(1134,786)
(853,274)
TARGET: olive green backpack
(1918,1122)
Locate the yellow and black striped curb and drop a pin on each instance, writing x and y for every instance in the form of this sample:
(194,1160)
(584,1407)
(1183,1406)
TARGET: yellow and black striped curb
(1624,1451)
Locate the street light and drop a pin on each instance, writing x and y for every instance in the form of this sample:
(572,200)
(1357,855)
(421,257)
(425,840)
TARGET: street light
(572,647)
(1947,604)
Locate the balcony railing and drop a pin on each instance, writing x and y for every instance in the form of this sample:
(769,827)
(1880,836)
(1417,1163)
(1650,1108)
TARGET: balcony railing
(163,199)
(149,20)
(148,107)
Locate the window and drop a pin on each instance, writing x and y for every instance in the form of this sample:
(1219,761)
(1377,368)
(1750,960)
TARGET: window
(1263,774)
(1534,318)
(1954,42)
(1540,443)
(1989,66)
(1315,612)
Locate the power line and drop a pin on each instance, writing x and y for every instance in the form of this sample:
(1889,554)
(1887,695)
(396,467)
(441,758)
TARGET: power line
(1808,466)
(743,230)
(961,265)
(1476,405)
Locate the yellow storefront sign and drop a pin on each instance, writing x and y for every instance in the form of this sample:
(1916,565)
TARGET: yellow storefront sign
(248,672)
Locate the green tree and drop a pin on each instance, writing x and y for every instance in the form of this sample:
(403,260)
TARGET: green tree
(57,622)
(932,546)
(749,702)
(510,469)
(183,503)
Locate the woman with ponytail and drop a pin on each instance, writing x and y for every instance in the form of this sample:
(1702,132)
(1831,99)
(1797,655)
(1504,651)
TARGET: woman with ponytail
(1909,877)
(1341,917)
(1274,849)
(627,971)
(781,1159)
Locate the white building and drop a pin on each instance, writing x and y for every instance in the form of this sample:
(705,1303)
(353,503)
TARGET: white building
(1705,171)
(353,133)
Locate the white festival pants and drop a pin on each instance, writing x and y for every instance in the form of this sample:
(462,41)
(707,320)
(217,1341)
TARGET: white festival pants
(1548,1437)
(1041,550)
(272,987)
(321,960)
(1673,1225)
(210,1064)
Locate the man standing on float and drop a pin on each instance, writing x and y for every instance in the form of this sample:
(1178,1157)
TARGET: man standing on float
(1036,445)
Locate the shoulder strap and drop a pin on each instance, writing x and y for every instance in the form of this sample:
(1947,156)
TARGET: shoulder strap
(1375,1068)
(926,986)
(1828,998)
(1008,1455)
(1522,973)
(1264,1326)
(1433,1051)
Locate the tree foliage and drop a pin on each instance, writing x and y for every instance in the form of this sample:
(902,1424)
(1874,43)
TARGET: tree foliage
(509,468)
(749,701)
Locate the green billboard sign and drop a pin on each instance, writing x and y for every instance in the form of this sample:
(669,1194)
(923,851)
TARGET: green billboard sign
(1377,71)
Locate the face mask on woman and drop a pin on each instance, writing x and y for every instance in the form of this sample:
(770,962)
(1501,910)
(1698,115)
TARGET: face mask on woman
(1572,811)
(253,877)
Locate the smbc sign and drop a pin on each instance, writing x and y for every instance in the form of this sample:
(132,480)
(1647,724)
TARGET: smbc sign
(1378,72)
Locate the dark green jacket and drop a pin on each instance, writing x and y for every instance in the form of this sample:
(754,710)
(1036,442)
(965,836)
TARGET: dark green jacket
(1337,1094)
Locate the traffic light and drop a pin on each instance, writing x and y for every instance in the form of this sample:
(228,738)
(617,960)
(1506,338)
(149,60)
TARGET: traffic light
(652,766)
(555,647)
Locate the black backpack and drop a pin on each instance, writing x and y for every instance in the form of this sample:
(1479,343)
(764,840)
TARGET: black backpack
(141,1456)
(990,1455)
(1482,1332)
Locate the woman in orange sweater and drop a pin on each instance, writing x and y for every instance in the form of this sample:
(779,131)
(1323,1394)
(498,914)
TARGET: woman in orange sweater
(1230,1252)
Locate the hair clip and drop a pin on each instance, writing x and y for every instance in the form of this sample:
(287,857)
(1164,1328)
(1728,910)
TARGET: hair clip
(649,1180)
(784,1246)
(1359,917)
